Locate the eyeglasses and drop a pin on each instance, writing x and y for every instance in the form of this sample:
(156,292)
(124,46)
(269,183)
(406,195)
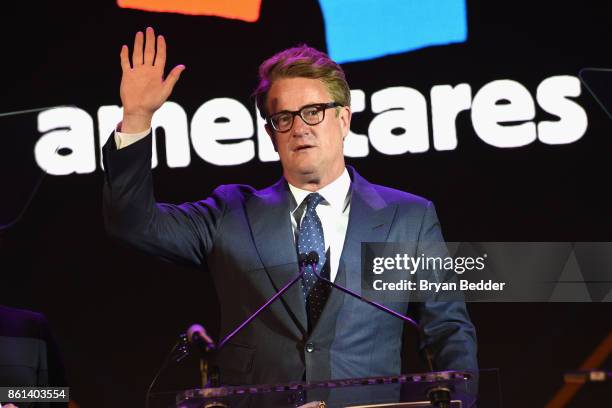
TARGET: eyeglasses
(311,115)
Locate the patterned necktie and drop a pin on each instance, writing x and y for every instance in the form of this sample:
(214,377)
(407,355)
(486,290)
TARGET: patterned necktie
(311,239)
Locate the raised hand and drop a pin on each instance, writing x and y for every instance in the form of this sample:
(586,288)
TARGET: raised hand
(143,87)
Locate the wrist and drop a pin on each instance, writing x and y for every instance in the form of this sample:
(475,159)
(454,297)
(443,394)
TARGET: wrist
(135,123)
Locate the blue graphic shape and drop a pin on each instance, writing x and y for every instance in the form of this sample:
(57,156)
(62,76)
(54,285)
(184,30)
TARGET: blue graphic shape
(358,30)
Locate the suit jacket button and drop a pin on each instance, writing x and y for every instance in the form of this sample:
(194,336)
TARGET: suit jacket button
(310,347)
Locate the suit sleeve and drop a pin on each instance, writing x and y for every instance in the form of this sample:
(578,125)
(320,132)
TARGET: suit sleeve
(447,331)
(179,233)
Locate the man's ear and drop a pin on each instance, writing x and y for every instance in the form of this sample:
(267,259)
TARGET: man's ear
(345,120)
(272,135)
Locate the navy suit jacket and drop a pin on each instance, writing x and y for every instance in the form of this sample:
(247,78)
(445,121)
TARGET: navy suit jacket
(243,238)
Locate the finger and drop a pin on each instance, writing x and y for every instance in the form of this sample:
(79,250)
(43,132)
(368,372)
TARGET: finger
(149,51)
(137,52)
(173,76)
(125,60)
(160,57)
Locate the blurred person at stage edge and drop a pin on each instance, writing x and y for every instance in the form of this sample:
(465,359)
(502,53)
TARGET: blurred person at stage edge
(29,356)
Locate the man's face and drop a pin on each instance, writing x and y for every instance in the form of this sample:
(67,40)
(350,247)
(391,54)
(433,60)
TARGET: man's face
(309,154)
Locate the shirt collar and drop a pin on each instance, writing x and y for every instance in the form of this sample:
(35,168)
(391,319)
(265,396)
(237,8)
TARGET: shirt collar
(335,193)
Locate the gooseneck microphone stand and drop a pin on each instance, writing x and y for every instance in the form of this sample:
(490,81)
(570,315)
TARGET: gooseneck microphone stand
(43,173)
(210,372)
(439,396)
(315,255)
(303,260)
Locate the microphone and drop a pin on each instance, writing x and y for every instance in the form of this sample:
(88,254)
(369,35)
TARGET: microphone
(199,339)
(197,336)
(34,110)
(11,224)
(313,257)
(303,261)
(439,396)
(204,342)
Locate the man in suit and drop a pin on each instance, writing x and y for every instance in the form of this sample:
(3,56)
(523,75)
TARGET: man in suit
(249,240)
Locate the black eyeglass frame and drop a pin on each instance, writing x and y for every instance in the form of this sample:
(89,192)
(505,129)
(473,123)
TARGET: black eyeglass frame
(322,106)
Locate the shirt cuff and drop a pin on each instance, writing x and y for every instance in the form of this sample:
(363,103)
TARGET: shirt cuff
(125,139)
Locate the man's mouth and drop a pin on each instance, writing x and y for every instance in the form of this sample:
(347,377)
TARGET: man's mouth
(301,148)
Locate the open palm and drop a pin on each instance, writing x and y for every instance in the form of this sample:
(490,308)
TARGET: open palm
(143,87)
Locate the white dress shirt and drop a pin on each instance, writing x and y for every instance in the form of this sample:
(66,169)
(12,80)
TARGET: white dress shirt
(333,211)
(125,139)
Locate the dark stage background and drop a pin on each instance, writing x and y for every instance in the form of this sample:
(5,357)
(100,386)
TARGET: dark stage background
(116,312)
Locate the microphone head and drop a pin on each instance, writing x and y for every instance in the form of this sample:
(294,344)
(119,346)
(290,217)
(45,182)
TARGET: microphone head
(302,258)
(195,329)
(313,257)
(196,333)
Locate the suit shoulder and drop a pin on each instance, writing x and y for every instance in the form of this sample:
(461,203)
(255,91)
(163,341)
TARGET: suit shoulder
(401,198)
(21,314)
(18,322)
(234,192)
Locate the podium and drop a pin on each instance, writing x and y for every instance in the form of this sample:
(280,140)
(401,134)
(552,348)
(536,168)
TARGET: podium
(403,391)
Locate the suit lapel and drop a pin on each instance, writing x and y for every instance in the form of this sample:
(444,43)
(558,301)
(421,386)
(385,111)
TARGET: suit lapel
(370,219)
(268,214)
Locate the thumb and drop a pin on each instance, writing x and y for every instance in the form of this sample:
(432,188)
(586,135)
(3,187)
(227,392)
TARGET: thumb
(172,78)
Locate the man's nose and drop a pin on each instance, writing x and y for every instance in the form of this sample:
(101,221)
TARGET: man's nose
(299,127)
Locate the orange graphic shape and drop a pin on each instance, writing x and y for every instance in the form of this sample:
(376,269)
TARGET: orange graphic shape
(245,10)
(563,397)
